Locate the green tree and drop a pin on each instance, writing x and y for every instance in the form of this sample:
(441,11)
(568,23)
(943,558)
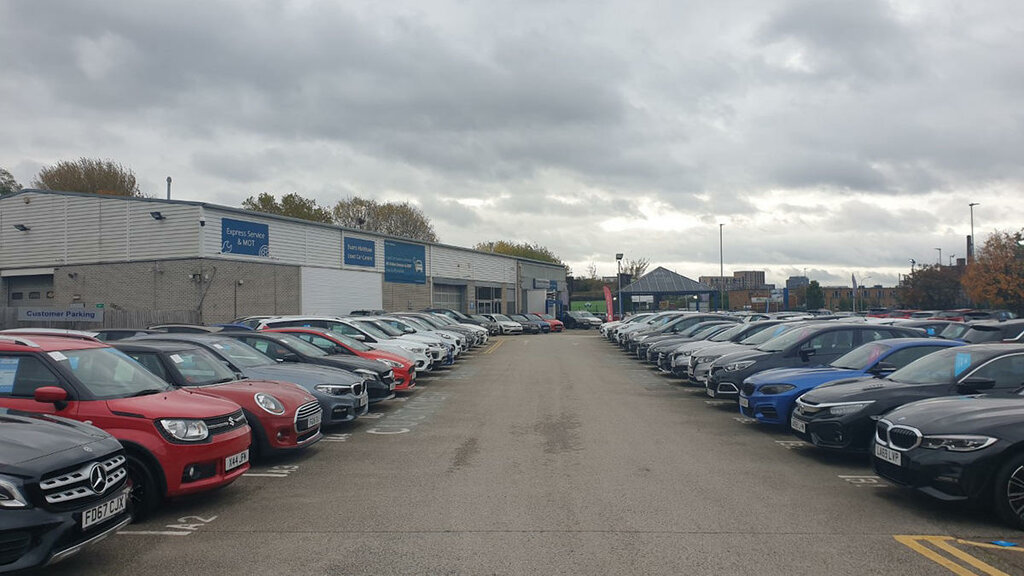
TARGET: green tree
(90,176)
(395,219)
(815,296)
(8,185)
(519,249)
(291,205)
(996,276)
(933,287)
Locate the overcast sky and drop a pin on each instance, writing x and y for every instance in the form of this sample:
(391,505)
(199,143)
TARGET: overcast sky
(829,137)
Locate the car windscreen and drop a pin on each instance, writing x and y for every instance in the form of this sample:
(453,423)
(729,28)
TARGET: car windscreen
(431,321)
(350,342)
(416,323)
(980,334)
(197,367)
(501,318)
(109,373)
(241,354)
(767,334)
(372,329)
(301,345)
(954,331)
(787,339)
(389,330)
(481,318)
(702,333)
(519,318)
(862,357)
(440,320)
(727,334)
(937,367)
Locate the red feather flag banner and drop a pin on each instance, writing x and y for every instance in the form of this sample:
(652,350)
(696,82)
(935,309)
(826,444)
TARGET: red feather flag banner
(608,304)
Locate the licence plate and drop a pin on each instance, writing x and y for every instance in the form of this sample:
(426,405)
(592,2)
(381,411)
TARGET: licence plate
(710,392)
(797,425)
(232,462)
(110,508)
(361,401)
(391,385)
(314,420)
(890,456)
(744,402)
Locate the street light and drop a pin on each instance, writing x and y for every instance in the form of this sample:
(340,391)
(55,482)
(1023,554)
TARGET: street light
(721,268)
(951,256)
(939,261)
(618,275)
(970,247)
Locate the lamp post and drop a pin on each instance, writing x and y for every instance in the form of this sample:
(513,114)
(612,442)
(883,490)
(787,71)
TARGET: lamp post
(951,256)
(721,268)
(618,276)
(970,248)
(939,261)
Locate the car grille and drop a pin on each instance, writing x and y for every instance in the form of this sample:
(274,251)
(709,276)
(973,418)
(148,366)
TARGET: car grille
(302,415)
(807,409)
(898,437)
(227,423)
(89,481)
(748,389)
(357,389)
(389,377)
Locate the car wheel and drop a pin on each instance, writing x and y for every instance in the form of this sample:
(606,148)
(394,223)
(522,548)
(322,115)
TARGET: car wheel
(145,490)
(1009,491)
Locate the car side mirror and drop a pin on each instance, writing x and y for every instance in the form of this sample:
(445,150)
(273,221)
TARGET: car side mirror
(806,353)
(290,357)
(882,368)
(359,337)
(52,395)
(975,384)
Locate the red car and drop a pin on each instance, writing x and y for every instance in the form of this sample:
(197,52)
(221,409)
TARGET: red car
(177,442)
(283,416)
(556,324)
(334,343)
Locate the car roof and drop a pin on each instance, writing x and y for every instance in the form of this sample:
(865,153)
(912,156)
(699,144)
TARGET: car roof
(152,346)
(45,343)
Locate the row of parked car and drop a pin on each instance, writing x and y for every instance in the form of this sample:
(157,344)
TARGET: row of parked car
(99,427)
(939,409)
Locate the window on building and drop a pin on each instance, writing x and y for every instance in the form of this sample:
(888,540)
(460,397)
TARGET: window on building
(34,295)
(17,295)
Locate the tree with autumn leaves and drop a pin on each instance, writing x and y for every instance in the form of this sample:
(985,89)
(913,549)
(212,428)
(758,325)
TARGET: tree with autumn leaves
(995,279)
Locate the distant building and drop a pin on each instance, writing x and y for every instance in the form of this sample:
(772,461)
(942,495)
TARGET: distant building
(794,282)
(741,280)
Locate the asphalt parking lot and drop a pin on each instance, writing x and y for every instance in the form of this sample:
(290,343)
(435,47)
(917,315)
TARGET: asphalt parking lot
(557,454)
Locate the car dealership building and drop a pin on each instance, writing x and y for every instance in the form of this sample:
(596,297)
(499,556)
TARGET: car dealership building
(80,257)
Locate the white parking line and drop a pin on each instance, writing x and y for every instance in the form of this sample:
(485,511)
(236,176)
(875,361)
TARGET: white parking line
(151,533)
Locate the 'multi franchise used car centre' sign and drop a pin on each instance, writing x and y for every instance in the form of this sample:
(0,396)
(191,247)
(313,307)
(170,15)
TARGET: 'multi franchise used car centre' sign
(60,314)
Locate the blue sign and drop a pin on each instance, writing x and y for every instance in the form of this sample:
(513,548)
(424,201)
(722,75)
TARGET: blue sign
(963,362)
(359,252)
(405,263)
(241,237)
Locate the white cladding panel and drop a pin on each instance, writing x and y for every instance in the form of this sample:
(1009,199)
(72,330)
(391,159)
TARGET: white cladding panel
(176,236)
(332,292)
(471,265)
(35,247)
(290,242)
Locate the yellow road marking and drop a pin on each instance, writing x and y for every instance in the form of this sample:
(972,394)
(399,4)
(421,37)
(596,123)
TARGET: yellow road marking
(992,546)
(915,543)
(496,345)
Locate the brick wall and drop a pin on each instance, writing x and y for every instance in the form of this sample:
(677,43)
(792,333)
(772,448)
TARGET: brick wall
(406,296)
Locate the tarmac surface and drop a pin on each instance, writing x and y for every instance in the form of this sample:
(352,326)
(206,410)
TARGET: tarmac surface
(557,454)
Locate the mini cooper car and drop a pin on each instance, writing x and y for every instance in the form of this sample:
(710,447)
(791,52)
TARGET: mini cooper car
(963,448)
(769,396)
(842,416)
(63,487)
(283,417)
(176,442)
(341,394)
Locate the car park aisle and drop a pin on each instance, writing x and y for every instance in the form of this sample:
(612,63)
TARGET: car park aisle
(551,454)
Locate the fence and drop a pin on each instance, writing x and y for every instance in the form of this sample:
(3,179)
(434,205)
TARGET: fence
(111,319)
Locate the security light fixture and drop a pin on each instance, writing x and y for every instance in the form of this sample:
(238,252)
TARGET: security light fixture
(618,256)
(22,228)
(157,215)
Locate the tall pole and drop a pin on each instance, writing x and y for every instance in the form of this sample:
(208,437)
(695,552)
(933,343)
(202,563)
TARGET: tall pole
(721,268)
(168,187)
(939,261)
(618,276)
(970,249)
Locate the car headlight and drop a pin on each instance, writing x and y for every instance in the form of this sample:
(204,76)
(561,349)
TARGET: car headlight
(445,336)
(333,389)
(389,363)
(737,366)
(185,430)
(705,359)
(776,388)
(10,493)
(415,349)
(269,403)
(848,408)
(366,373)
(957,442)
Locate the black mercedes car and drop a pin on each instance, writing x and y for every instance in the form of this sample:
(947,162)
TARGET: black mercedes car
(63,487)
(380,383)
(957,449)
(841,415)
(812,344)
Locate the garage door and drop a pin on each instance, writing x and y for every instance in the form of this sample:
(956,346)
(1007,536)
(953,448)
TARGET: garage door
(331,292)
(448,296)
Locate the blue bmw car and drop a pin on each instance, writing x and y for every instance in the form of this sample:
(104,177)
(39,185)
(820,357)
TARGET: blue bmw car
(769,396)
